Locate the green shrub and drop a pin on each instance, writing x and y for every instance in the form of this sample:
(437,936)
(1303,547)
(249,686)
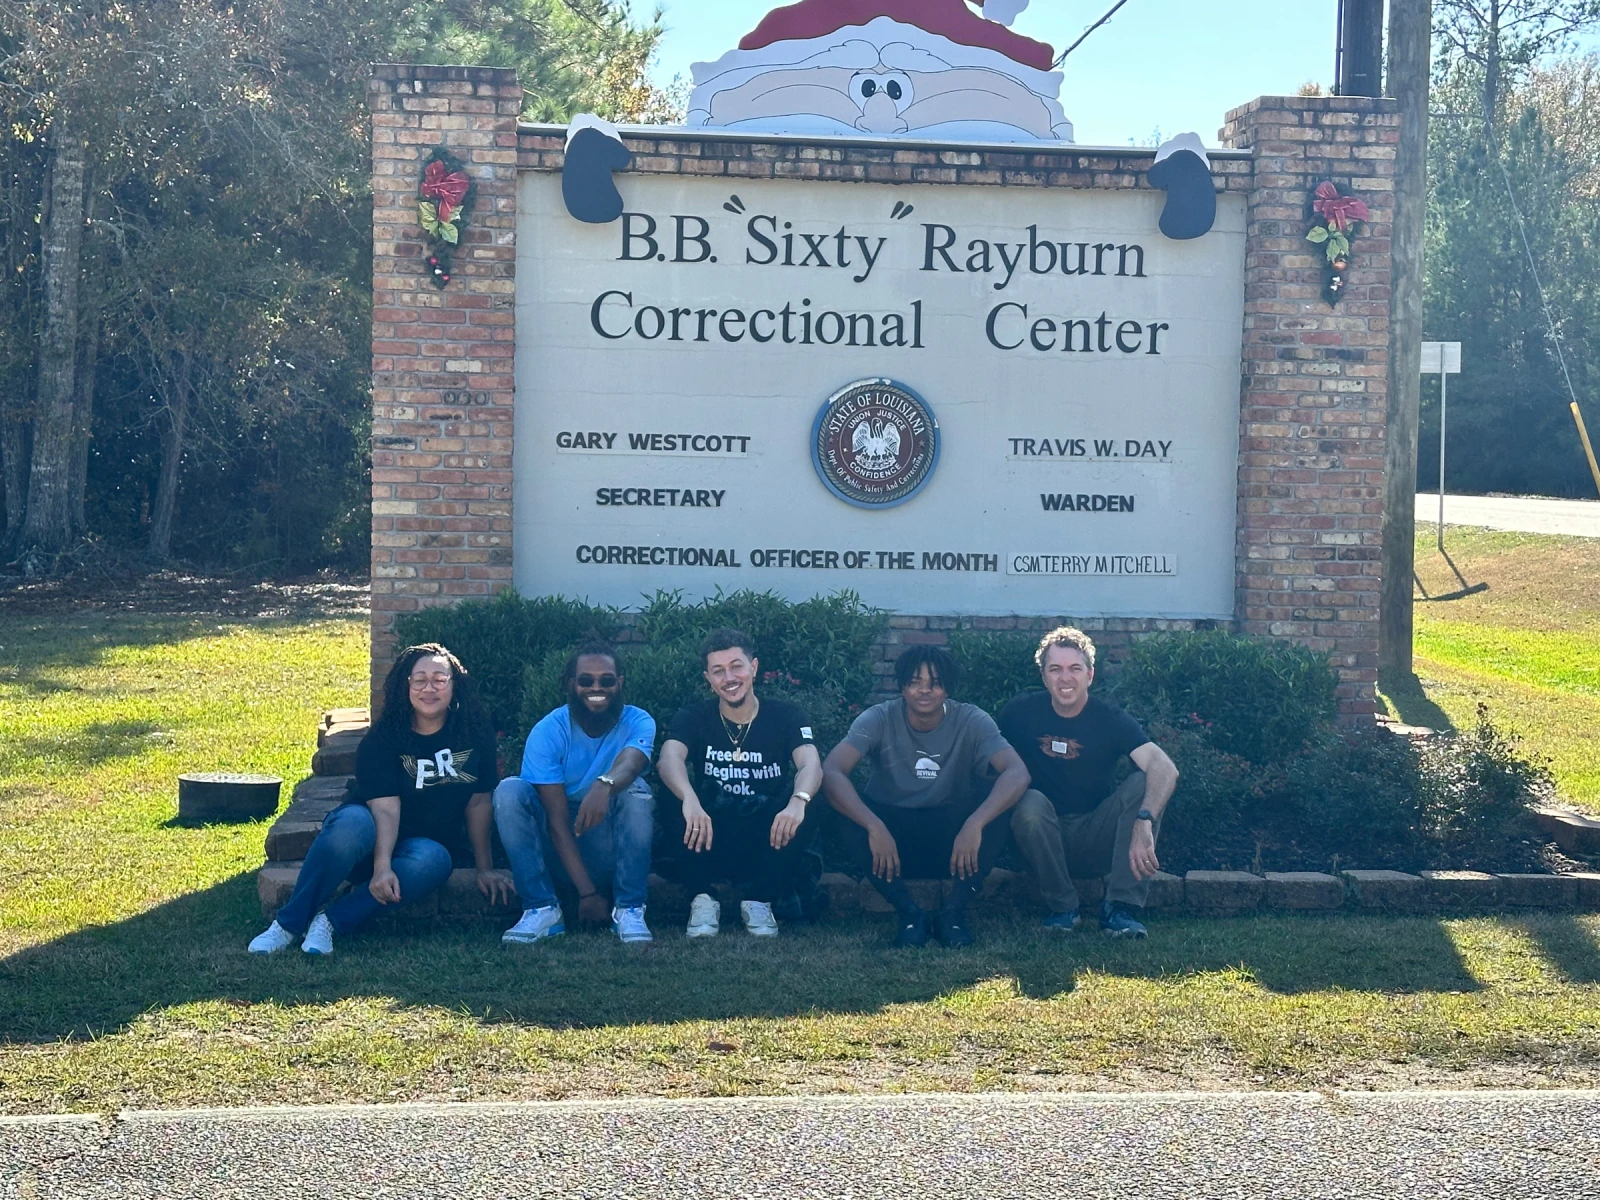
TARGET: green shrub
(1207,823)
(818,651)
(1351,794)
(497,640)
(996,665)
(1267,780)
(1259,699)
(826,640)
(1477,789)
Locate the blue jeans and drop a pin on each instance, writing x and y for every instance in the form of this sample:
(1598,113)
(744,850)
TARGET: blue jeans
(345,842)
(616,851)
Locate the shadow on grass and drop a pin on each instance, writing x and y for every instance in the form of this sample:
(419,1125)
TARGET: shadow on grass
(1411,701)
(1569,946)
(38,647)
(93,745)
(193,949)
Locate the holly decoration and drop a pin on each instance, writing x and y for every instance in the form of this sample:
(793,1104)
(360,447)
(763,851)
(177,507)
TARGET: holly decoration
(444,204)
(1333,232)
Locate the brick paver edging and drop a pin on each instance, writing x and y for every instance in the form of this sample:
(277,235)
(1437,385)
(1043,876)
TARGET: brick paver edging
(1197,894)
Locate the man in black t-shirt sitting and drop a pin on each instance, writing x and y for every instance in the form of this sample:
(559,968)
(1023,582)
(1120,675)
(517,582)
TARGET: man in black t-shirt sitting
(755,768)
(1072,819)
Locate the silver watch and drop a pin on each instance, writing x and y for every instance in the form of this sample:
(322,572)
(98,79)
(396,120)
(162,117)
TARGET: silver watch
(607,780)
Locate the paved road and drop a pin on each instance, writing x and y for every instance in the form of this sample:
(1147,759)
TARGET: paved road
(1576,518)
(1483,1144)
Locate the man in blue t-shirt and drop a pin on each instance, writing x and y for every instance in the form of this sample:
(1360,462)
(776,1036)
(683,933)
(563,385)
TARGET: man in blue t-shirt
(589,753)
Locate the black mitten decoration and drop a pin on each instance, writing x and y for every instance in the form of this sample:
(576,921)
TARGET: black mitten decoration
(1185,176)
(586,185)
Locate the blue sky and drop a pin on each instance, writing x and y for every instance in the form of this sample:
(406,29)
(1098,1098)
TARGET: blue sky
(1172,65)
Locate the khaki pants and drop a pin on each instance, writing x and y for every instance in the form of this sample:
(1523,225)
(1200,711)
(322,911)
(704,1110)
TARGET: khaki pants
(1089,845)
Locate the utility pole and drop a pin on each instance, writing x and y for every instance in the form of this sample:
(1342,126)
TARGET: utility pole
(1359,63)
(1410,58)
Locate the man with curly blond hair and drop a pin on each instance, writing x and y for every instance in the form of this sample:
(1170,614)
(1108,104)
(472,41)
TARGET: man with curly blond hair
(1073,820)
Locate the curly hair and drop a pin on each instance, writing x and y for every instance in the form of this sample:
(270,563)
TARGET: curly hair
(719,640)
(467,715)
(1065,635)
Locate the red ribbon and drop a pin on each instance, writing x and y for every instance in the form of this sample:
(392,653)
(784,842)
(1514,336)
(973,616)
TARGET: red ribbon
(445,186)
(1340,211)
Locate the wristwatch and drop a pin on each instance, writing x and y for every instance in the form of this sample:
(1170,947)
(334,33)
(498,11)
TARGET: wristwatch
(608,781)
(803,797)
(1146,815)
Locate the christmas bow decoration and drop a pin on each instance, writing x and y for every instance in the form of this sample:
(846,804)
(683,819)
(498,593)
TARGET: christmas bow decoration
(445,186)
(444,205)
(1339,211)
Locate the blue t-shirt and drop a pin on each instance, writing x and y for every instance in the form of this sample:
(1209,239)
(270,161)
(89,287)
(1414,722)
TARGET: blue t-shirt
(559,751)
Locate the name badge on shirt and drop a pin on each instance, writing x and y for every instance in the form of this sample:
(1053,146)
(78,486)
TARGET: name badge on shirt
(1061,747)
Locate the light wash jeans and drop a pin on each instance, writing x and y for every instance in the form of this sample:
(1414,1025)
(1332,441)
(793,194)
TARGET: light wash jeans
(616,851)
(347,838)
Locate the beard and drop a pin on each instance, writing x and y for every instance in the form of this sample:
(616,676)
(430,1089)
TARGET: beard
(595,723)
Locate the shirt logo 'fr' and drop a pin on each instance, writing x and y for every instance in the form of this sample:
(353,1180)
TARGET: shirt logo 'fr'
(447,766)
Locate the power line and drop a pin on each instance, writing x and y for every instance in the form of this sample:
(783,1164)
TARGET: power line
(1533,267)
(1087,32)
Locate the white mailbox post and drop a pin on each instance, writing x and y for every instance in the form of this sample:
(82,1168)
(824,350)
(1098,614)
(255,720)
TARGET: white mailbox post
(1442,359)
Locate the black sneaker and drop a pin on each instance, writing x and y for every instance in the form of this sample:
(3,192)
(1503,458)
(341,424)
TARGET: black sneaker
(951,930)
(913,931)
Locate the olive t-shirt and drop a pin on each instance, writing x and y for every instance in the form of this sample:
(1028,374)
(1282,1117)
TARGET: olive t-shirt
(913,769)
(1070,758)
(732,768)
(434,775)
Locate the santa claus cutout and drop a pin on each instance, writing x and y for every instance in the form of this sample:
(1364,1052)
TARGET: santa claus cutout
(927,69)
(933,70)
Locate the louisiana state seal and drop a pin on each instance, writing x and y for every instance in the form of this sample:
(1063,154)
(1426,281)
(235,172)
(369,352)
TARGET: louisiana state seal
(875,443)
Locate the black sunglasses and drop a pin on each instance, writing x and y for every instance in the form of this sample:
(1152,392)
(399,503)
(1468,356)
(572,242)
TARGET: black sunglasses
(606,681)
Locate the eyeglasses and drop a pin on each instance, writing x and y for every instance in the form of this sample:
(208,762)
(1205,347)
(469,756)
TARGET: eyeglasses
(602,681)
(421,683)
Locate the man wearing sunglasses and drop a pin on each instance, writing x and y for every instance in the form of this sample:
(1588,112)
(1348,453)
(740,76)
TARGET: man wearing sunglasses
(580,793)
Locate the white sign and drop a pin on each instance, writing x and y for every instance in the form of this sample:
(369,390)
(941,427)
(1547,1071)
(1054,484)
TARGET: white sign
(1441,358)
(966,400)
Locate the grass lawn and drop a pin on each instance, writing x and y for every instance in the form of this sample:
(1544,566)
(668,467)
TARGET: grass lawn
(1529,647)
(124,981)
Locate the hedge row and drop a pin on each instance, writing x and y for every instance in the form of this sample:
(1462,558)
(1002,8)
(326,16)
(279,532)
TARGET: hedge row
(1268,780)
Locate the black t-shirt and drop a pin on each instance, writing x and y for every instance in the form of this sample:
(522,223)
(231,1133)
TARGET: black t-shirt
(1070,758)
(741,773)
(434,776)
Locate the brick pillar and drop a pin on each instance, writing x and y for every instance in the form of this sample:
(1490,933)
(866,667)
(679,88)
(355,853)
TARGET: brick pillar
(441,360)
(1312,413)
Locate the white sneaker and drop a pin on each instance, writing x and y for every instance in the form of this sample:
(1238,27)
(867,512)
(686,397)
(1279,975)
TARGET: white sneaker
(628,924)
(319,938)
(705,916)
(758,918)
(274,939)
(536,923)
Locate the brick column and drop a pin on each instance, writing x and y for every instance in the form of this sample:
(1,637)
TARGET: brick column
(441,360)
(1312,412)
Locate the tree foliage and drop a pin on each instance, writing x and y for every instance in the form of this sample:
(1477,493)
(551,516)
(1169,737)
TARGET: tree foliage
(1514,162)
(204,392)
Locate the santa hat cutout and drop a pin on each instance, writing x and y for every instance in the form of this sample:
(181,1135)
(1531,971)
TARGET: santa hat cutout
(951,19)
